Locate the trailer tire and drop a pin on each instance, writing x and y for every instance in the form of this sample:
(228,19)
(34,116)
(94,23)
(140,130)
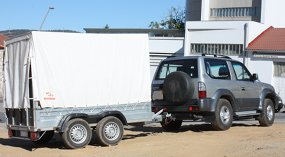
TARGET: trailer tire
(78,134)
(46,137)
(109,131)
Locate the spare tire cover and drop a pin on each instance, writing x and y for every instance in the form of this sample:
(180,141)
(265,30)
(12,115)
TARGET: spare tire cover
(178,88)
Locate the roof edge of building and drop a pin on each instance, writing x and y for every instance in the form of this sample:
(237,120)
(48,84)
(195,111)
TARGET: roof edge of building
(259,36)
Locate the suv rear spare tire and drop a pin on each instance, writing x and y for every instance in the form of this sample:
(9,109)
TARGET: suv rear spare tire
(178,88)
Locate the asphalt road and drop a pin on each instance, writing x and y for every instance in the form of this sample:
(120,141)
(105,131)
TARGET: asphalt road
(280,117)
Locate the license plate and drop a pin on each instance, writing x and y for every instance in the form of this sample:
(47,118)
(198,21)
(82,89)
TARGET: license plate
(24,133)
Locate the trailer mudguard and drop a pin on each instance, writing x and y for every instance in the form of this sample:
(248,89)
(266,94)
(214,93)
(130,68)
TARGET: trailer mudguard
(62,126)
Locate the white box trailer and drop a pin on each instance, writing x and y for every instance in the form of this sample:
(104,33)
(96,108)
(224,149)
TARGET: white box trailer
(72,83)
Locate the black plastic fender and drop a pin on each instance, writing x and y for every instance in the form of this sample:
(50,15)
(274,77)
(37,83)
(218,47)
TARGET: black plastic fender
(104,114)
(268,93)
(62,126)
(226,94)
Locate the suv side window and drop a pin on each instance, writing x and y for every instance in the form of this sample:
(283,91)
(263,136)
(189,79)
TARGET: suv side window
(217,69)
(242,74)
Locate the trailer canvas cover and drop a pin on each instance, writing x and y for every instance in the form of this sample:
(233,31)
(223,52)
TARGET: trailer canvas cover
(76,69)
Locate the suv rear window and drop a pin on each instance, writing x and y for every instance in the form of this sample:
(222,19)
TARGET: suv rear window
(188,66)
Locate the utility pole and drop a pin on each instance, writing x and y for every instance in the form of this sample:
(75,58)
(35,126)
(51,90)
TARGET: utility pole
(49,8)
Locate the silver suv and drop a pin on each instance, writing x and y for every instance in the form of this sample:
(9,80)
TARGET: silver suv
(215,89)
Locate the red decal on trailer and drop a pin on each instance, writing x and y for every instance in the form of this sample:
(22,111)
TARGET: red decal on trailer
(49,96)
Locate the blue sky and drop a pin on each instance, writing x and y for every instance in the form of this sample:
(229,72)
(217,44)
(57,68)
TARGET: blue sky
(79,14)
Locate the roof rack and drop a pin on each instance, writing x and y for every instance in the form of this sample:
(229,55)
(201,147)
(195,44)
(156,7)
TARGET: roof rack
(215,55)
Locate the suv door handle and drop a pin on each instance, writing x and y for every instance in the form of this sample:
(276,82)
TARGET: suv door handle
(243,88)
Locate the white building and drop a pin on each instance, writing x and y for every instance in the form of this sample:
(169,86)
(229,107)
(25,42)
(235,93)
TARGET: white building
(220,37)
(268,49)
(263,11)
(226,27)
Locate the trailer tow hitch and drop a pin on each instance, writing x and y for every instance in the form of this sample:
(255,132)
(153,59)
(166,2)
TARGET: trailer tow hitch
(157,117)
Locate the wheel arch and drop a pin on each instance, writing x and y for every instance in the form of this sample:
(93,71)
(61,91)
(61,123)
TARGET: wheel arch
(225,94)
(62,126)
(117,114)
(268,94)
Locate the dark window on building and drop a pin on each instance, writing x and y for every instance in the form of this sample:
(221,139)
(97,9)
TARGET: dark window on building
(279,69)
(220,49)
(234,12)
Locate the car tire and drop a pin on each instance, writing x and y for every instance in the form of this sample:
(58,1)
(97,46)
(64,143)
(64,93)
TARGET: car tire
(46,137)
(267,115)
(223,115)
(170,125)
(178,88)
(109,131)
(78,134)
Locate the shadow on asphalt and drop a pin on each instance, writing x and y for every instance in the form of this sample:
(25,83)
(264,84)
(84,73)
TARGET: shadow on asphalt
(28,145)
(147,130)
(142,131)
(55,143)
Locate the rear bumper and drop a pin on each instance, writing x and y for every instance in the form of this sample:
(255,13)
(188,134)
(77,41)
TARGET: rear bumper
(207,105)
(279,103)
(20,132)
(279,107)
(193,106)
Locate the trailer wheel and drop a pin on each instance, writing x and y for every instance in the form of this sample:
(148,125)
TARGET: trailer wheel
(109,131)
(46,137)
(78,134)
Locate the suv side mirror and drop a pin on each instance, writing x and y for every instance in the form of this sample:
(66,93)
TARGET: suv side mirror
(254,77)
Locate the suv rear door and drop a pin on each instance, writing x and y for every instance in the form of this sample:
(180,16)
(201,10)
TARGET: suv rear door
(189,66)
(249,89)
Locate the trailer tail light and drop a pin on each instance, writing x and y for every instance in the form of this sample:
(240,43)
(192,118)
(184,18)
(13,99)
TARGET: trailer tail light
(10,133)
(202,93)
(33,136)
(194,108)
